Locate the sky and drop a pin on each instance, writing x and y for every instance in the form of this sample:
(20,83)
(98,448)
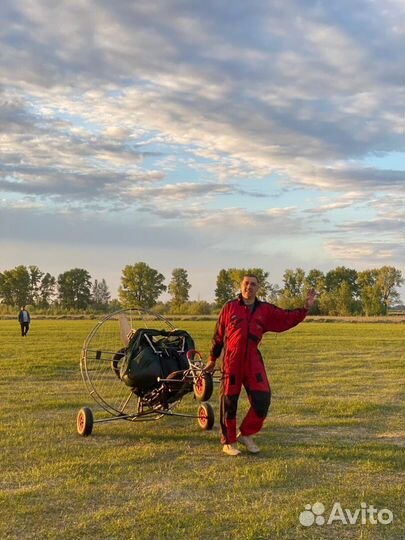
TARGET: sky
(202,135)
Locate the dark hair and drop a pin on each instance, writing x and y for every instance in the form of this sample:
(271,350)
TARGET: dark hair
(251,276)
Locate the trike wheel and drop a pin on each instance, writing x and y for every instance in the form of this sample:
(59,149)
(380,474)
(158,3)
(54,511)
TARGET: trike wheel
(206,417)
(84,422)
(203,387)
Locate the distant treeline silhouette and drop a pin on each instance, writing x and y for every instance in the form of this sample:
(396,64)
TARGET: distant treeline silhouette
(341,291)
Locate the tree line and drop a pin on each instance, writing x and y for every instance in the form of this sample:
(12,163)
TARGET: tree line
(72,289)
(341,291)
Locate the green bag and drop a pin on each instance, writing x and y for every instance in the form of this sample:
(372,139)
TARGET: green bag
(152,354)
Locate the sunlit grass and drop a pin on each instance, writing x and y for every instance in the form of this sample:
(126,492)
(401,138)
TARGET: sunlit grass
(335,433)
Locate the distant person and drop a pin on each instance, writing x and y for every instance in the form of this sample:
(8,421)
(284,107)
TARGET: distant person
(24,320)
(238,332)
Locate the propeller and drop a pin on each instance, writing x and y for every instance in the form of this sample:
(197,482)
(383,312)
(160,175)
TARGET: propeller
(125,328)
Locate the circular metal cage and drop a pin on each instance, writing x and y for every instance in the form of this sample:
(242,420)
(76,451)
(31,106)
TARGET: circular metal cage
(103,351)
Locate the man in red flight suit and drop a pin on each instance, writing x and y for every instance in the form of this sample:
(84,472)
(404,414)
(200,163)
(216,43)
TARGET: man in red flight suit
(238,332)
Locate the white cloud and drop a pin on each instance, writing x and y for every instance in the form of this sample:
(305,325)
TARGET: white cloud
(238,223)
(365,254)
(163,109)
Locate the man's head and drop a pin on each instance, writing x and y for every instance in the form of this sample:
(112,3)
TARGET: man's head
(249,287)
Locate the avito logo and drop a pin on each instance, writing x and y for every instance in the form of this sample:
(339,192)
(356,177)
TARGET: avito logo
(365,514)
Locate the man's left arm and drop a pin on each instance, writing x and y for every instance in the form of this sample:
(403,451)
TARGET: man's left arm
(279,320)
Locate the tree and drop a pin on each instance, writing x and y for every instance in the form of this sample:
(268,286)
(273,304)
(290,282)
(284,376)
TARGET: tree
(315,279)
(179,287)
(389,278)
(35,284)
(344,301)
(292,295)
(15,286)
(141,285)
(224,291)
(46,289)
(6,294)
(341,292)
(294,282)
(100,293)
(199,307)
(74,288)
(273,294)
(371,300)
(23,285)
(334,278)
(371,297)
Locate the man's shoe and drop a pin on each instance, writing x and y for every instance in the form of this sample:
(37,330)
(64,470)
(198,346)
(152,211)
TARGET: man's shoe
(230,449)
(250,444)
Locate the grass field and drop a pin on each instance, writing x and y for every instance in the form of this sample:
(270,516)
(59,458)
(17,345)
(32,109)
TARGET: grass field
(335,433)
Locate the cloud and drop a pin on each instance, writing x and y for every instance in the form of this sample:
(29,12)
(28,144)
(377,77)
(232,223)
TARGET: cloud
(329,207)
(134,231)
(350,199)
(186,190)
(238,222)
(170,113)
(66,186)
(178,192)
(343,178)
(307,100)
(380,226)
(391,206)
(367,253)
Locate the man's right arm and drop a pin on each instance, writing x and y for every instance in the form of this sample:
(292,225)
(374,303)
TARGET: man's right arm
(217,341)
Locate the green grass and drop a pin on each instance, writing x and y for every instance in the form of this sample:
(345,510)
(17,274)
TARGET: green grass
(335,432)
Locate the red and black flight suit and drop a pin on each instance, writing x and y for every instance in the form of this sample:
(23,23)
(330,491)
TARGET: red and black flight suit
(237,335)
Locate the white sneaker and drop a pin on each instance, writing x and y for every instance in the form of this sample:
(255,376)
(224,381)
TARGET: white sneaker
(230,449)
(250,444)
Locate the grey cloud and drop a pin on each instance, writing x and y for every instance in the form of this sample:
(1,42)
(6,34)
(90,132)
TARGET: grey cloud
(297,57)
(133,230)
(379,226)
(45,157)
(59,183)
(14,117)
(367,177)
(350,179)
(128,188)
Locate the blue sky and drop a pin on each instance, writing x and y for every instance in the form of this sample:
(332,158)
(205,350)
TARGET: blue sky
(202,135)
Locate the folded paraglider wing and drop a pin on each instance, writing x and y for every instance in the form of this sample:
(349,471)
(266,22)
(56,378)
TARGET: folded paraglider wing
(151,354)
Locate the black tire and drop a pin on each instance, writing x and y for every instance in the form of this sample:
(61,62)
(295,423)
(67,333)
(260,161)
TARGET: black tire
(116,362)
(84,422)
(203,387)
(206,416)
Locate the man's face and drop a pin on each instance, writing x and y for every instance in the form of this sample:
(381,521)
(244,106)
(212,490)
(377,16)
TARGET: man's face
(249,288)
